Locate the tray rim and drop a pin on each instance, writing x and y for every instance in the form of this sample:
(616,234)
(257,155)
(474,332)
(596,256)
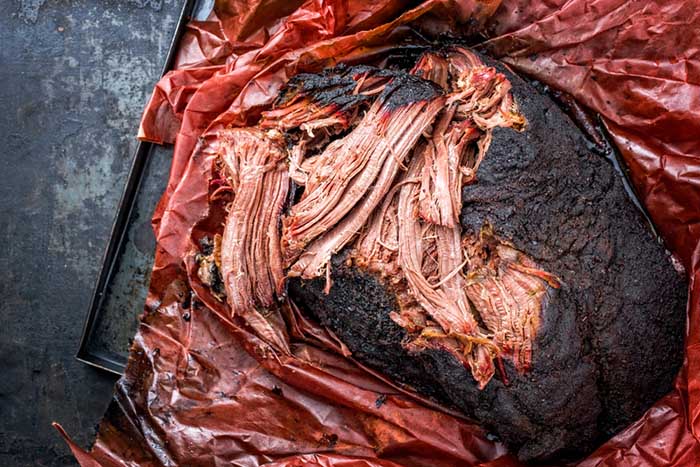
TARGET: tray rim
(120,223)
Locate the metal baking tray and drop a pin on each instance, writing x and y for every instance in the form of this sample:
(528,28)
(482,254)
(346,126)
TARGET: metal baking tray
(120,292)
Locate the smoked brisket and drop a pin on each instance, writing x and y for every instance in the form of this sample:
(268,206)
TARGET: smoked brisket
(452,227)
(609,341)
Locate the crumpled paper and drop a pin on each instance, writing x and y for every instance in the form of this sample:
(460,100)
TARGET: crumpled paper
(202,389)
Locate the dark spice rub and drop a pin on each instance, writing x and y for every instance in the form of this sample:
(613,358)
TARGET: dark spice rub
(610,337)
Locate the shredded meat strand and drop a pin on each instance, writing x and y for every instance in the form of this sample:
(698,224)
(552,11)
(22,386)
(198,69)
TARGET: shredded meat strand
(509,290)
(251,262)
(369,188)
(447,305)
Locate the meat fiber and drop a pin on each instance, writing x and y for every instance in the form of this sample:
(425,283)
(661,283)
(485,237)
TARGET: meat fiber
(250,263)
(355,173)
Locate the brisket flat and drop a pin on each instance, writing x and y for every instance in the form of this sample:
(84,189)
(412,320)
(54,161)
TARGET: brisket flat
(542,212)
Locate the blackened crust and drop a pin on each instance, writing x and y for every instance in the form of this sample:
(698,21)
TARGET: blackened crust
(334,86)
(405,89)
(611,341)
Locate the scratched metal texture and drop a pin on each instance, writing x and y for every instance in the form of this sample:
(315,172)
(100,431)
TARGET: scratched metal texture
(74,76)
(124,297)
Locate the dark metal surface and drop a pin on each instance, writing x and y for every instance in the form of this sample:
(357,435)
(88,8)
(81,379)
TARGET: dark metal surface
(75,76)
(122,284)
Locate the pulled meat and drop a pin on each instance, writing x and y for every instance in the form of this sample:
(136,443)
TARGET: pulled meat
(251,261)
(248,259)
(426,248)
(314,107)
(354,173)
(387,144)
(479,101)
(509,290)
(381,157)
